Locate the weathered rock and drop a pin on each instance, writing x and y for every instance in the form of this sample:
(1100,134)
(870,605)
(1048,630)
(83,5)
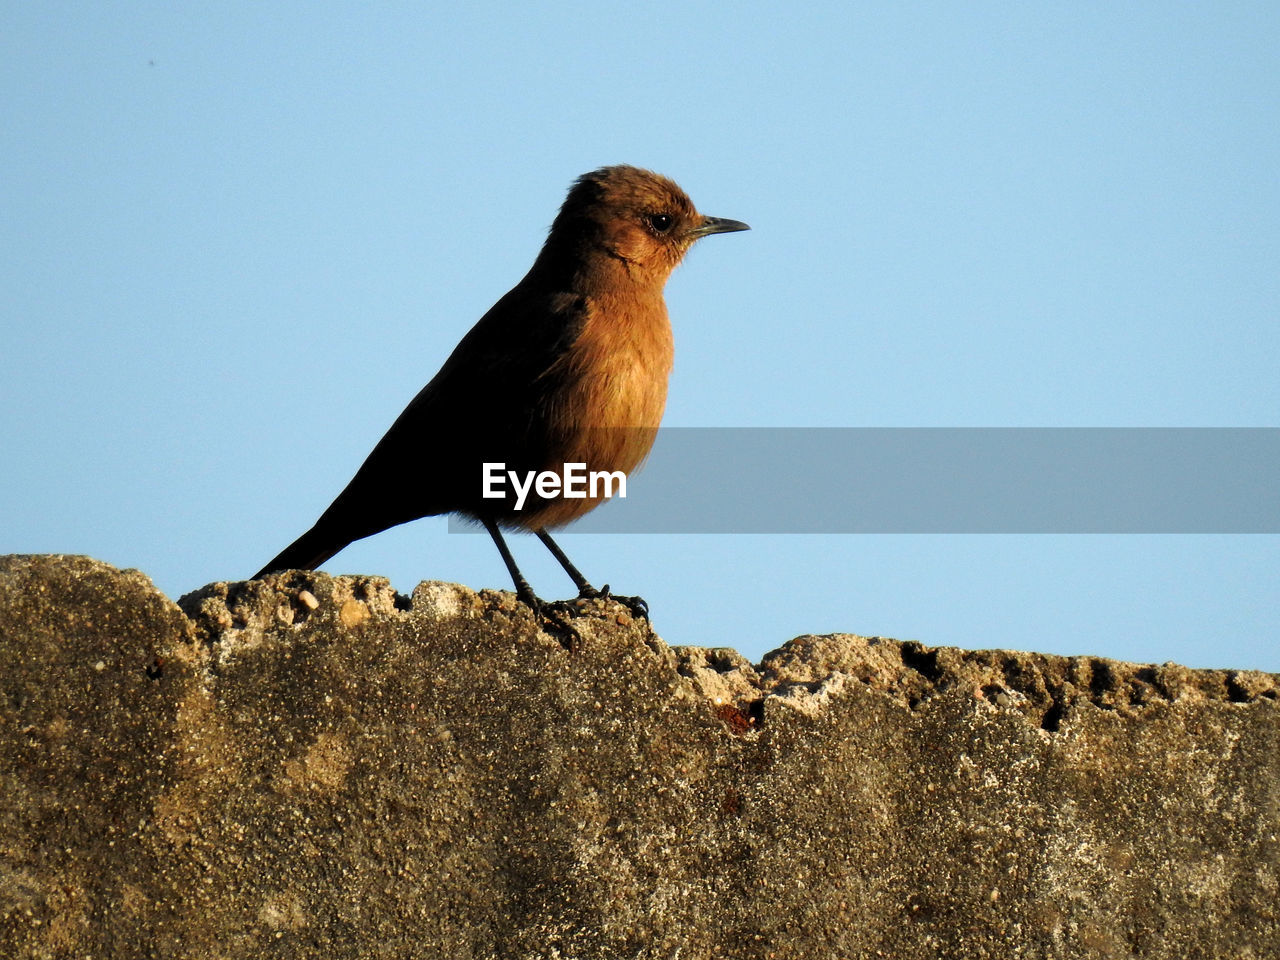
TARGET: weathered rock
(314,766)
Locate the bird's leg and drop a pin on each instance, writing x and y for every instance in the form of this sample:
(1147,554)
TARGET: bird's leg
(524,592)
(562,630)
(585,590)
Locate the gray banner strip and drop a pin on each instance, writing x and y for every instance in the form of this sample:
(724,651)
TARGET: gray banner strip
(951,480)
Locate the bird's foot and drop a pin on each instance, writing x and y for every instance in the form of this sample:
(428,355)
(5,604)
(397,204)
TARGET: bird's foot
(636,605)
(554,617)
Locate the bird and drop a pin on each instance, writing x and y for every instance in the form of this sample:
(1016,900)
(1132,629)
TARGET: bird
(569,367)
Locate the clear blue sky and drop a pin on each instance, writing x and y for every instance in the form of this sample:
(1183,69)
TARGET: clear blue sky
(237,238)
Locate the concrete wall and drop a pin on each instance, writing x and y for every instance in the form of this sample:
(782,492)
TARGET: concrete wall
(317,767)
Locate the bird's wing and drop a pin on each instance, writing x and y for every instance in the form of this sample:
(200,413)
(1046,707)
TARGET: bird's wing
(485,404)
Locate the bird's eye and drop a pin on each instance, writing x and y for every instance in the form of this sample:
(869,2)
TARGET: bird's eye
(661,222)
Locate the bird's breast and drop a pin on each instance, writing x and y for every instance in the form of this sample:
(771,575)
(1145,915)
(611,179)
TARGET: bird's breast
(611,392)
(620,364)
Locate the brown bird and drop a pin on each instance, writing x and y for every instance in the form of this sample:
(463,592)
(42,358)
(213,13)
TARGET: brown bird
(570,366)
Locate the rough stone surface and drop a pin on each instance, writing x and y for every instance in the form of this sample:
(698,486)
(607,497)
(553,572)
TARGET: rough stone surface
(313,766)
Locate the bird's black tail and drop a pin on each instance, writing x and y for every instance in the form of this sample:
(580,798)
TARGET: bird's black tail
(307,552)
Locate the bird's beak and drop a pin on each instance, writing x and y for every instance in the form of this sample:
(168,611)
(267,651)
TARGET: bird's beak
(712,225)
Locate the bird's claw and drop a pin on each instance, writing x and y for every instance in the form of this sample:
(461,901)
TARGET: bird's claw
(555,618)
(636,605)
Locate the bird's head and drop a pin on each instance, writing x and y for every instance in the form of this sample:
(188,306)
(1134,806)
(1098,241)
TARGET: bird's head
(635,216)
